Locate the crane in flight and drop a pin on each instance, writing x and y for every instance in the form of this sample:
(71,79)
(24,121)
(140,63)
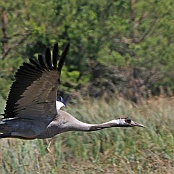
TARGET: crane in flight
(32,110)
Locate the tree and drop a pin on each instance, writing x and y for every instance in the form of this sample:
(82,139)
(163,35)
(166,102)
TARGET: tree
(128,43)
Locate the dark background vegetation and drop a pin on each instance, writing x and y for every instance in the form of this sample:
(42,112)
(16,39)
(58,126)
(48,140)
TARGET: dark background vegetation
(116,46)
(123,49)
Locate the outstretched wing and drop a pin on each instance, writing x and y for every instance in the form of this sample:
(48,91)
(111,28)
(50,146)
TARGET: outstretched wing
(34,92)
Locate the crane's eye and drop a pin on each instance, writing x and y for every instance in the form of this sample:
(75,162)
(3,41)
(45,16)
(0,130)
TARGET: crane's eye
(128,120)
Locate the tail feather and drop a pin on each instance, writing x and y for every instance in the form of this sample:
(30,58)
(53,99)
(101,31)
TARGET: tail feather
(4,127)
(4,130)
(6,135)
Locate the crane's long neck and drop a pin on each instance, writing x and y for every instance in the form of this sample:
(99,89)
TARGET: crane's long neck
(72,124)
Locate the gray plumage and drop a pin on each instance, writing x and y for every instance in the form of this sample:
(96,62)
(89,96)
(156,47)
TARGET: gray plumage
(31,105)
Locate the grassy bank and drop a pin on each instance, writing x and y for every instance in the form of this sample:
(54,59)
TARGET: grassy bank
(115,150)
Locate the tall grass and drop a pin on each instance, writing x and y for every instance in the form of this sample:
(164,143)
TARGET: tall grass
(115,150)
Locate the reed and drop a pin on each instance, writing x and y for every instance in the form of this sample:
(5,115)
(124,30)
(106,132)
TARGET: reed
(115,150)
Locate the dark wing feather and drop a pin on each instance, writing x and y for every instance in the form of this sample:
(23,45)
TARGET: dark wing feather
(62,59)
(55,55)
(33,93)
(41,61)
(34,62)
(48,58)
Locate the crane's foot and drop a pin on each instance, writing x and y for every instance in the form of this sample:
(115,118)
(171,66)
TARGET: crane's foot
(48,147)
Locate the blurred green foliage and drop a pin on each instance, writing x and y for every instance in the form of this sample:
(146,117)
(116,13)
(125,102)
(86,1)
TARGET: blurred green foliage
(112,34)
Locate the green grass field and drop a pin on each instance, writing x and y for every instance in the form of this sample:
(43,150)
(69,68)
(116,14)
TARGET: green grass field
(115,150)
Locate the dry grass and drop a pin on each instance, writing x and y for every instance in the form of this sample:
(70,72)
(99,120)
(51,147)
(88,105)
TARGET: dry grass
(115,150)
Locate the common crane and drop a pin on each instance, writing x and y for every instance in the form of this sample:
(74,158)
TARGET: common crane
(32,110)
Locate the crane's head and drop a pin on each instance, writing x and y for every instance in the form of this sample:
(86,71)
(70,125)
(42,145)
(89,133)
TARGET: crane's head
(127,122)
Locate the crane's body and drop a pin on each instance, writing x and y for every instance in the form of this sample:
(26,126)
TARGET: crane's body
(32,110)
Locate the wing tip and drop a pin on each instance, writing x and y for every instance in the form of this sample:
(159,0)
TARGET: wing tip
(49,61)
(63,56)
(55,55)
